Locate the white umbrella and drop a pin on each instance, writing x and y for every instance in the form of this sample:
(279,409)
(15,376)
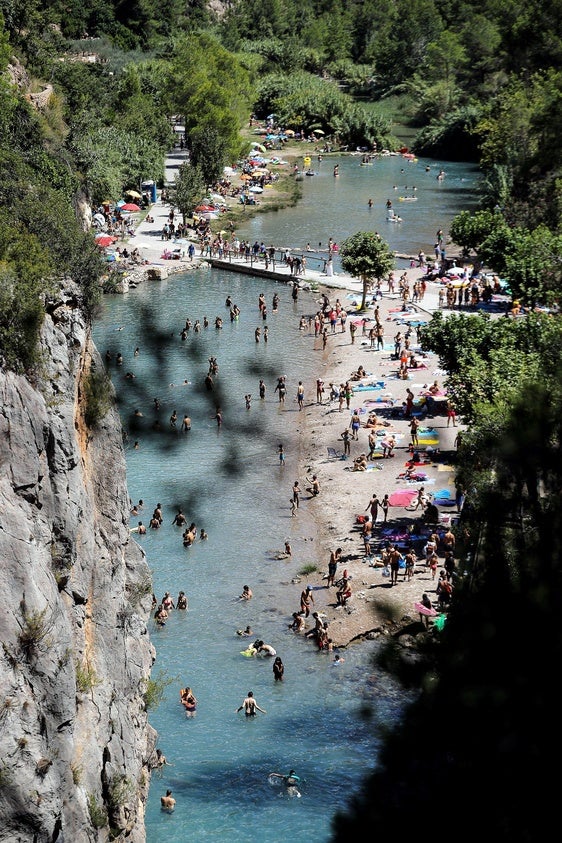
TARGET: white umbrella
(256,189)
(210,216)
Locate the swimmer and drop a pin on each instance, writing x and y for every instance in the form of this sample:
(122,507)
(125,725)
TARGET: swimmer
(203,535)
(167,802)
(245,632)
(290,781)
(181,602)
(250,706)
(246,593)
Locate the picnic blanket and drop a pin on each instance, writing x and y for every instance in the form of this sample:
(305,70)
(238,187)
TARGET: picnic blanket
(403,497)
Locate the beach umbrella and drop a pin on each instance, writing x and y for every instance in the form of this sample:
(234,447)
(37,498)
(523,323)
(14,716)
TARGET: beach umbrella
(202,207)
(245,177)
(210,216)
(256,189)
(134,193)
(256,145)
(317,132)
(261,171)
(130,206)
(290,133)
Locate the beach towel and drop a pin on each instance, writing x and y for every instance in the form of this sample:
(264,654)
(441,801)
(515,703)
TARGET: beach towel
(368,387)
(443,498)
(382,401)
(403,497)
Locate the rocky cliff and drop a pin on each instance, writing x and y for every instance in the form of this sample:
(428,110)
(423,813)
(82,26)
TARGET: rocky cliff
(75,744)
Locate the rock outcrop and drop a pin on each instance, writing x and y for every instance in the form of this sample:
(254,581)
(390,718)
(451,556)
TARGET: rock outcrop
(75,658)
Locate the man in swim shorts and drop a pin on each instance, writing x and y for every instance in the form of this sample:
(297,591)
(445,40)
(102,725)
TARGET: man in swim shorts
(250,706)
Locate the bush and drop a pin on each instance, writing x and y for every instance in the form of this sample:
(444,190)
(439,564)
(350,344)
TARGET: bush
(154,691)
(98,396)
(98,814)
(34,630)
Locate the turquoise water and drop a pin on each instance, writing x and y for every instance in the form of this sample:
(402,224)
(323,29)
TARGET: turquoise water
(229,481)
(338,206)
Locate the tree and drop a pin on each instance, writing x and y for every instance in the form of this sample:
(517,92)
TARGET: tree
(367,256)
(189,188)
(469,229)
(530,260)
(208,153)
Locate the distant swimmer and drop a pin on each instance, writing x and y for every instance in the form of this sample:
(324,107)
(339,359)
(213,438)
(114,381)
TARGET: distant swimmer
(250,706)
(167,802)
(291,780)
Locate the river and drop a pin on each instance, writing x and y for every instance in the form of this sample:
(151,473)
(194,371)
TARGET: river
(230,482)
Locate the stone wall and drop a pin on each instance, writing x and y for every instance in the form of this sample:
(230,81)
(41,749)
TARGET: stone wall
(75,655)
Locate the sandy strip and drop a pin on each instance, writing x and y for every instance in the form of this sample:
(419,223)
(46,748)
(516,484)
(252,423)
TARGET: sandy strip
(345,493)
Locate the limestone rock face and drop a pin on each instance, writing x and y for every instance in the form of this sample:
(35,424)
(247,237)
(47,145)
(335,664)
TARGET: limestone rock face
(75,655)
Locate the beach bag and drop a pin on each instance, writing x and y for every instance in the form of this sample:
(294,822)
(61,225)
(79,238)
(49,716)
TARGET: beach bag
(386,571)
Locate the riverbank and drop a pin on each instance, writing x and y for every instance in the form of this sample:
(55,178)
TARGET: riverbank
(376,607)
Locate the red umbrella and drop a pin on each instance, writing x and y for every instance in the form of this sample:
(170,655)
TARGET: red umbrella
(205,208)
(104,240)
(130,206)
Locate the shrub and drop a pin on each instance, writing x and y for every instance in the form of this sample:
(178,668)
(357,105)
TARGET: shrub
(154,691)
(34,630)
(98,814)
(86,678)
(98,396)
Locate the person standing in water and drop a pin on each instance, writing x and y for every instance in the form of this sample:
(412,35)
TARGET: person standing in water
(278,669)
(250,706)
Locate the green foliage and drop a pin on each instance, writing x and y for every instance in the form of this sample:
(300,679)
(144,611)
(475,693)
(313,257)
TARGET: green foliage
(34,630)
(188,189)
(490,360)
(98,814)
(210,88)
(469,229)
(208,155)
(121,790)
(367,256)
(155,689)
(303,101)
(307,569)
(98,396)
(86,678)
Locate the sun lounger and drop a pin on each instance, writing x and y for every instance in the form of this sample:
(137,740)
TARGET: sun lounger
(335,455)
